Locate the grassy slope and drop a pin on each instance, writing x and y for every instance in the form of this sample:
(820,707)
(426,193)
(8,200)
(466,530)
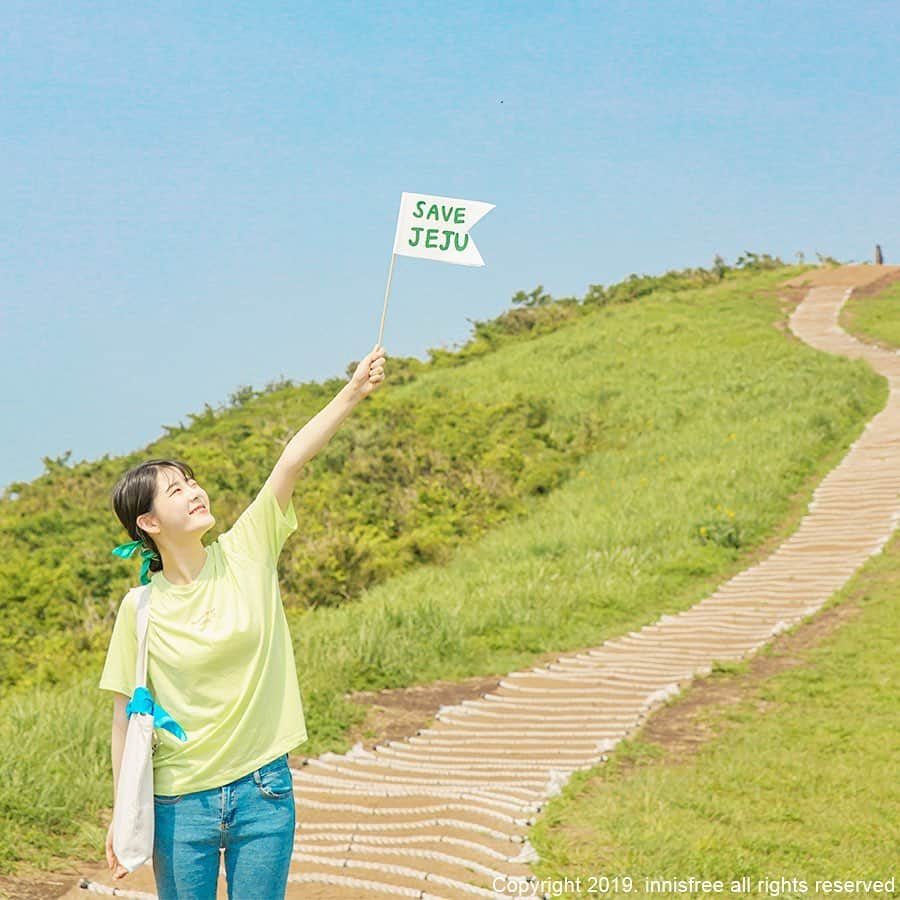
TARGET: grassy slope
(805,789)
(875,318)
(710,411)
(713,418)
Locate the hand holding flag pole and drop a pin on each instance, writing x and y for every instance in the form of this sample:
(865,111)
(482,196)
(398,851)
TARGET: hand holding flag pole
(435,228)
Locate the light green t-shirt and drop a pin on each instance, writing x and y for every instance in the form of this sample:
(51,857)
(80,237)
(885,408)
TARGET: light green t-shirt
(220,658)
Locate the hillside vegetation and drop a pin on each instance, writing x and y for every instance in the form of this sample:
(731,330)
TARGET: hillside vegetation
(449,450)
(875,317)
(578,468)
(798,779)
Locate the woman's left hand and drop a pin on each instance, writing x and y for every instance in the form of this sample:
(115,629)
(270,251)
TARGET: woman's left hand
(369,373)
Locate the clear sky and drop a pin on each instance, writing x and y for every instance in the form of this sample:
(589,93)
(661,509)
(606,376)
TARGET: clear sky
(199,196)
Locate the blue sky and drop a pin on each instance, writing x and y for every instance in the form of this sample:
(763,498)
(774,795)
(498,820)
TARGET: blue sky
(199,196)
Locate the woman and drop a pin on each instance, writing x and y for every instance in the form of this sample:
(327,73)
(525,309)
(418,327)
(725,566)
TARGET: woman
(221,663)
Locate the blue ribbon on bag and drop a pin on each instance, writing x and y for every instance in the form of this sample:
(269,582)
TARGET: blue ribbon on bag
(143,702)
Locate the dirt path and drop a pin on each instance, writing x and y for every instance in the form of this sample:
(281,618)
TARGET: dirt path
(445,812)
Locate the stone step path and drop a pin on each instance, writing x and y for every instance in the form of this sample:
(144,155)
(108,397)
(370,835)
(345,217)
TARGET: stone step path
(445,813)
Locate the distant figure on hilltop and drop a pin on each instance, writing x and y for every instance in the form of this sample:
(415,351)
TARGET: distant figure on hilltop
(879,259)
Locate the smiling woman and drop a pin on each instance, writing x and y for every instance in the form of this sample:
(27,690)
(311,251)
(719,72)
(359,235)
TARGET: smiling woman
(220,661)
(147,500)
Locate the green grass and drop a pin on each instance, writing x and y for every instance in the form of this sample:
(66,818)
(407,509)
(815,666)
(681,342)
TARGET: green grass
(806,789)
(708,417)
(876,317)
(710,412)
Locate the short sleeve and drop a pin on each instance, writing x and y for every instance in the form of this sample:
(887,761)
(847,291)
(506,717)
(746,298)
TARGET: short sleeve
(261,529)
(121,656)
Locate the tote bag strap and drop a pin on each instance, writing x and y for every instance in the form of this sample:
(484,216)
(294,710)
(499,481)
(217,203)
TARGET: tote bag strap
(143,625)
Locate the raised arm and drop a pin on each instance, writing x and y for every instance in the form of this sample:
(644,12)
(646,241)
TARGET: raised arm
(318,431)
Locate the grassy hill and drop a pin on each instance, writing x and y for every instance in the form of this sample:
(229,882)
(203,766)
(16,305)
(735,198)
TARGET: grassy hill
(875,317)
(796,778)
(578,468)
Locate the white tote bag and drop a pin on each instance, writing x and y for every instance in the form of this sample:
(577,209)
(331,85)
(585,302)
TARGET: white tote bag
(133,815)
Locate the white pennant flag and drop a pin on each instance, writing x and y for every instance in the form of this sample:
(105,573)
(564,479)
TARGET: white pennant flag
(438,228)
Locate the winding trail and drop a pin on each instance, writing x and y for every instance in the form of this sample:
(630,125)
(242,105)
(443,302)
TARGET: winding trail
(445,813)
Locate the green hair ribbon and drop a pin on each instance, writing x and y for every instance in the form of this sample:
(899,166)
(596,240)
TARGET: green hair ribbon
(126,551)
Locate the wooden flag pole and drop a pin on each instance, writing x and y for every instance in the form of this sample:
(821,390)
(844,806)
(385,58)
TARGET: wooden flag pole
(387,291)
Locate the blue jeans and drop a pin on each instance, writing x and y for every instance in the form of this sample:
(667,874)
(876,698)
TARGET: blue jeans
(252,819)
